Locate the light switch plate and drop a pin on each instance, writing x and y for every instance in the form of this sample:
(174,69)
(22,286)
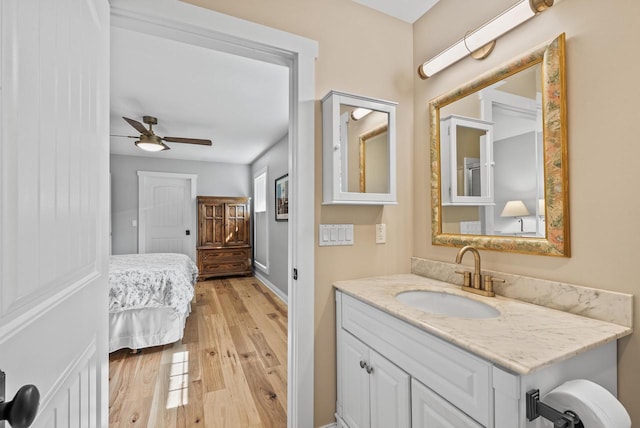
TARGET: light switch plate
(381,233)
(335,234)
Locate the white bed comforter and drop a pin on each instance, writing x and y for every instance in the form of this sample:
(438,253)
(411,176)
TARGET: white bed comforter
(151,280)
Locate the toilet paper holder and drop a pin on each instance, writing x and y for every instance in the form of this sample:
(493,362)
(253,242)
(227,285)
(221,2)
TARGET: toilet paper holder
(536,408)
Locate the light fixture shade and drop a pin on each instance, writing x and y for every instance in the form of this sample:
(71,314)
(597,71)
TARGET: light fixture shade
(151,143)
(485,34)
(359,113)
(514,209)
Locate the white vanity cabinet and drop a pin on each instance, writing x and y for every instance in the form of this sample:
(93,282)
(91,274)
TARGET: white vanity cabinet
(429,410)
(376,391)
(397,353)
(421,381)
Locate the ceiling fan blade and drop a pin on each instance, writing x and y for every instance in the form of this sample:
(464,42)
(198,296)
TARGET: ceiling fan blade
(188,140)
(124,136)
(139,127)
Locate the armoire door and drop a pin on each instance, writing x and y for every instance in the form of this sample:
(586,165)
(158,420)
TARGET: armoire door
(237,224)
(211,230)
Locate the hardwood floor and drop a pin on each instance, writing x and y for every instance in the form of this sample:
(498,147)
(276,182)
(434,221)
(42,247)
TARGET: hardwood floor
(230,370)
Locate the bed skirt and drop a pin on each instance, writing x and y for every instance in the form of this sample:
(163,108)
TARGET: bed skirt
(141,328)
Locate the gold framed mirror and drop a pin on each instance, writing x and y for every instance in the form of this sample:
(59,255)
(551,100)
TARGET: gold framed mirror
(537,112)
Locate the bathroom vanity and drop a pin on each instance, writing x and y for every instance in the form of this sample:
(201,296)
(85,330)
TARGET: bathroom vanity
(401,366)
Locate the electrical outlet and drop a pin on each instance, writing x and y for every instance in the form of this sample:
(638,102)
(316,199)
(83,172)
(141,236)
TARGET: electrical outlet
(381,233)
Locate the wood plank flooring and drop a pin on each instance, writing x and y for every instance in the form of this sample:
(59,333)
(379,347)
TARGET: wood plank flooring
(229,370)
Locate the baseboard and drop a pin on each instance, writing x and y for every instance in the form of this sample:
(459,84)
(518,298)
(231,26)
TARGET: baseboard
(272,287)
(333,425)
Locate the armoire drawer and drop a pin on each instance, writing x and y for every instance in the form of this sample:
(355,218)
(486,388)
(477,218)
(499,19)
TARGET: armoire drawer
(224,261)
(221,255)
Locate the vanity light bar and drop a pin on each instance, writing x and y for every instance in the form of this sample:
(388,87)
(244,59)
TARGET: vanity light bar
(478,39)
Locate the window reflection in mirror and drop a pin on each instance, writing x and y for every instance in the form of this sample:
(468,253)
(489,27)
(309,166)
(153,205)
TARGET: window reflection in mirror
(365,156)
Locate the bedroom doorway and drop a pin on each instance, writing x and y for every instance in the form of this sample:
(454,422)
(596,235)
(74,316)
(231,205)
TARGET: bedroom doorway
(197,26)
(165,213)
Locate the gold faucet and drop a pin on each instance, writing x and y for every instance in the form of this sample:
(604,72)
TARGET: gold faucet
(476,285)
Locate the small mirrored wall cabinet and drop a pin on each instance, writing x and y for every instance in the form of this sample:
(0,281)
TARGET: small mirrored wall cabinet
(359,150)
(466,154)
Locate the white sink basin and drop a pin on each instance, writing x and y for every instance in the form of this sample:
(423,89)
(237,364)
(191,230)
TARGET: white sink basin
(447,304)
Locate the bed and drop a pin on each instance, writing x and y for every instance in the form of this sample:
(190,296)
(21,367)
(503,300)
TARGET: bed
(149,299)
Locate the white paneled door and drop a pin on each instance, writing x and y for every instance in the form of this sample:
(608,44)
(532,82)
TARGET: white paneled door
(166,212)
(54,205)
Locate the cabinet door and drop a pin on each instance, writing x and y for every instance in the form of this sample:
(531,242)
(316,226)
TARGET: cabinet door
(429,410)
(211,227)
(237,224)
(466,157)
(390,394)
(355,382)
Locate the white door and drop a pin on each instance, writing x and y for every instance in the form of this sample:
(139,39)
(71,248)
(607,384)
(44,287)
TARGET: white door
(54,205)
(390,394)
(355,381)
(166,214)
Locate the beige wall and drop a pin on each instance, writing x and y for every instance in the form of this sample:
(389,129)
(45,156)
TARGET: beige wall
(367,53)
(602,75)
(602,68)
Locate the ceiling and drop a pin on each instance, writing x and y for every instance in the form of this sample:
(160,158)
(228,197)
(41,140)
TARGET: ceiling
(241,104)
(406,10)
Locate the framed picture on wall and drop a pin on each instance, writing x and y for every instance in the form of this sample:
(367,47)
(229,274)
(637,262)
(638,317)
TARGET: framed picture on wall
(282,198)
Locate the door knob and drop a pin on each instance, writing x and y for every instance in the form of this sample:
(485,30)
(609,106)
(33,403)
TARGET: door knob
(21,411)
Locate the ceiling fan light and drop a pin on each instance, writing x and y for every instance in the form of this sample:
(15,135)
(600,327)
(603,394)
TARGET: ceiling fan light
(151,143)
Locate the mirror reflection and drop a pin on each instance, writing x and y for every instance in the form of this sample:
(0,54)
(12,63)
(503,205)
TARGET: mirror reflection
(499,158)
(491,145)
(364,141)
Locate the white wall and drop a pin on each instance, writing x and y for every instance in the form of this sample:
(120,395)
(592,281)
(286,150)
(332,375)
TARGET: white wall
(214,179)
(515,177)
(276,160)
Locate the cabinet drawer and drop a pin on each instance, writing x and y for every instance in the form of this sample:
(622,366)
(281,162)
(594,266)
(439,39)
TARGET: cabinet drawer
(428,409)
(224,261)
(460,377)
(227,267)
(208,256)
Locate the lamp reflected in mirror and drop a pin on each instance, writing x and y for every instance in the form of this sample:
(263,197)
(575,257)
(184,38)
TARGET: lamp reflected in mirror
(515,209)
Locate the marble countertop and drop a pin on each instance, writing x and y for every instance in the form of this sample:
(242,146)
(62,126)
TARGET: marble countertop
(523,338)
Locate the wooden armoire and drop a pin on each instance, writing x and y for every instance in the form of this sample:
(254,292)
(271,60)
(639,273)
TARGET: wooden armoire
(224,236)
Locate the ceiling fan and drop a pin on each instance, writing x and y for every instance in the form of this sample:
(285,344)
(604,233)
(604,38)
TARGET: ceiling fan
(151,142)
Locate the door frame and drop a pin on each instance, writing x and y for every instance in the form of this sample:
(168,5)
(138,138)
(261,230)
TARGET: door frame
(142,219)
(194,25)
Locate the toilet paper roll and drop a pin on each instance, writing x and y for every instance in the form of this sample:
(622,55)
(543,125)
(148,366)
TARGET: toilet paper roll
(595,406)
